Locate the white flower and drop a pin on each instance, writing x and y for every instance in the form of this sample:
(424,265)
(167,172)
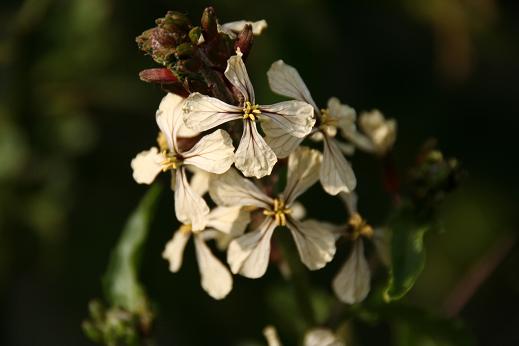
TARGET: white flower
(213,153)
(249,253)
(381,132)
(233,28)
(253,156)
(216,279)
(336,174)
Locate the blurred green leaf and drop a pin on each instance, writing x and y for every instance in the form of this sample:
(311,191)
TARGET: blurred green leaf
(121,283)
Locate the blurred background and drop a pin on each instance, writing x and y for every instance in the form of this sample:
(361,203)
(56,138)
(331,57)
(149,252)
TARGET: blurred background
(73,113)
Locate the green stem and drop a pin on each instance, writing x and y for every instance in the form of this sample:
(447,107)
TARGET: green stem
(298,276)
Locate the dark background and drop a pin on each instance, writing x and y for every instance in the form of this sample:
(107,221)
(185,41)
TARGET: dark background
(73,113)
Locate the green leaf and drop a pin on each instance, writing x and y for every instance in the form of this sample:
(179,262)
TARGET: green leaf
(407,253)
(120,282)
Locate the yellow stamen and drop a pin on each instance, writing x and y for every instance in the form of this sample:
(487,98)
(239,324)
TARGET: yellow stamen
(162,142)
(186,229)
(359,227)
(250,111)
(170,161)
(279,213)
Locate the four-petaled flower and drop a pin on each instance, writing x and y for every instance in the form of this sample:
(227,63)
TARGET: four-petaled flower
(253,156)
(249,253)
(213,153)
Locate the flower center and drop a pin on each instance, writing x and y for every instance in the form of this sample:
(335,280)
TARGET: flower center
(250,111)
(358,227)
(279,213)
(171,161)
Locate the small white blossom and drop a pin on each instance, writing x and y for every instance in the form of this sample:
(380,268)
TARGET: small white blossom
(233,28)
(248,254)
(336,174)
(213,153)
(253,156)
(216,279)
(381,132)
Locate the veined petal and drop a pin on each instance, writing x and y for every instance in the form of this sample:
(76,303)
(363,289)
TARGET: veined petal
(189,207)
(303,172)
(336,173)
(249,254)
(165,116)
(231,189)
(315,242)
(236,73)
(215,277)
(285,80)
(281,142)
(295,117)
(174,250)
(238,26)
(230,220)
(213,153)
(147,165)
(202,112)
(352,283)
(253,156)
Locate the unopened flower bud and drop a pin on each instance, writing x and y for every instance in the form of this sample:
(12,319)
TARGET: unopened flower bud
(209,23)
(158,75)
(244,41)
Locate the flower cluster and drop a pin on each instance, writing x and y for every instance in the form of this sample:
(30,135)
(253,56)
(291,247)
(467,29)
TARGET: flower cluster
(205,131)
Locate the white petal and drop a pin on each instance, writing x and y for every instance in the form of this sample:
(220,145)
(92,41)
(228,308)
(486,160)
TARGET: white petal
(315,242)
(249,254)
(321,337)
(202,112)
(236,73)
(215,277)
(350,200)
(295,117)
(213,153)
(270,333)
(174,250)
(336,173)
(230,220)
(345,115)
(285,80)
(165,116)
(146,166)
(281,143)
(199,180)
(231,189)
(253,156)
(189,207)
(382,132)
(352,283)
(238,26)
(303,172)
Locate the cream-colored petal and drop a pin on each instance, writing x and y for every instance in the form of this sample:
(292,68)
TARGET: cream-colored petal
(254,158)
(270,333)
(213,153)
(249,254)
(350,201)
(352,283)
(165,116)
(344,114)
(315,242)
(174,250)
(381,132)
(202,112)
(294,117)
(321,337)
(303,172)
(281,143)
(236,73)
(285,80)
(230,220)
(215,277)
(199,180)
(231,189)
(336,173)
(190,208)
(238,26)
(147,165)
(346,148)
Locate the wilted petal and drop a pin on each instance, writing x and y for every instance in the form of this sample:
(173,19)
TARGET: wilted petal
(202,112)
(294,117)
(315,242)
(174,250)
(215,277)
(321,337)
(253,156)
(231,189)
(285,80)
(303,172)
(236,73)
(281,142)
(336,173)
(190,208)
(230,220)
(249,254)
(213,153)
(352,283)
(147,165)
(238,26)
